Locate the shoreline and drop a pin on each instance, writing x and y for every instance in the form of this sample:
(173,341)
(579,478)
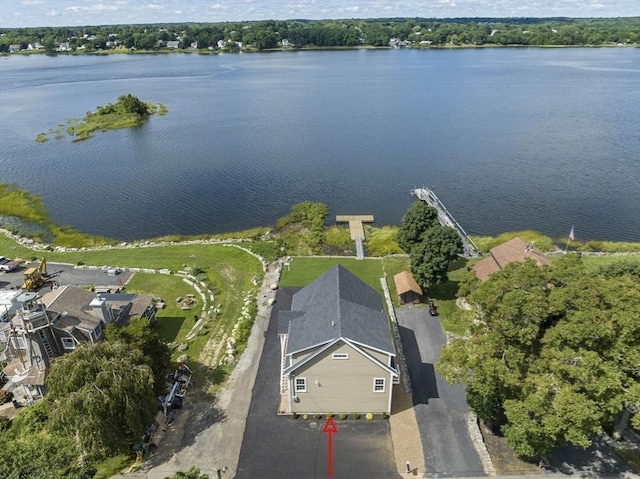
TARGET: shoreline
(305,49)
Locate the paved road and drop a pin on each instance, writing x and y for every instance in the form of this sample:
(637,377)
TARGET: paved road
(598,460)
(441,410)
(280,447)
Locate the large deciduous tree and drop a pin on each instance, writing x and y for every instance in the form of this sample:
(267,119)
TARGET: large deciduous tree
(553,354)
(103,396)
(431,247)
(418,218)
(431,257)
(141,335)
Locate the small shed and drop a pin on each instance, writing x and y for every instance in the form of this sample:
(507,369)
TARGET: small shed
(407,288)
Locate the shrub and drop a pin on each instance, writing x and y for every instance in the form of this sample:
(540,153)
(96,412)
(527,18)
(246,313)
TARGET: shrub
(382,241)
(5,396)
(338,238)
(329,414)
(4,423)
(369,416)
(317,416)
(197,270)
(342,416)
(294,415)
(355,415)
(283,222)
(384,415)
(305,416)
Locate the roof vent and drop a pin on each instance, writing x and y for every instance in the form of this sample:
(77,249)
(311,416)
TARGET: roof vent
(333,323)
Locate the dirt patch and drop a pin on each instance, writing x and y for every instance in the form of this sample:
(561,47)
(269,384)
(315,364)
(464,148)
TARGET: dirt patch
(211,351)
(504,460)
(228,274)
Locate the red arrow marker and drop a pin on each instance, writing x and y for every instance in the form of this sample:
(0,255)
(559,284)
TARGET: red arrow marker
(329,429)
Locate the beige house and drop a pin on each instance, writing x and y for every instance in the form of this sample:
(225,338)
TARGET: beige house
(337,350)
(514,250)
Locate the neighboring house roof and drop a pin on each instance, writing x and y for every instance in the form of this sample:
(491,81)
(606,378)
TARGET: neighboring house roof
(336,305)
(404,283)
(514,250)
(71,307)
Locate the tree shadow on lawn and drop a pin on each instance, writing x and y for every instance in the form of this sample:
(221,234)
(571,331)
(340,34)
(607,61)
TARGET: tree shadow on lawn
(168,327)
(445,291)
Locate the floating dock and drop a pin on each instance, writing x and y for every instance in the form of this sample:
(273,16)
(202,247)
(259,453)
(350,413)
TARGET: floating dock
(470,250)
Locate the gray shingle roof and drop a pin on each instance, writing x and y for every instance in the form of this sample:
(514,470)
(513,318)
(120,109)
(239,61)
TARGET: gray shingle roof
(337,304)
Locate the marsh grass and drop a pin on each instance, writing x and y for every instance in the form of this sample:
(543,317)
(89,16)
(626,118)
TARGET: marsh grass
(381,241)
(542,242)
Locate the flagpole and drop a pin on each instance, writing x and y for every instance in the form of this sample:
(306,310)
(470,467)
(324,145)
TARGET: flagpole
(569,238)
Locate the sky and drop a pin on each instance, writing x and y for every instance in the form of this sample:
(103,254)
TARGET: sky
(36,13)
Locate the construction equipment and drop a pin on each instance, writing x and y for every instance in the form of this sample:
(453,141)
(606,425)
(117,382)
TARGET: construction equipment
(35,277)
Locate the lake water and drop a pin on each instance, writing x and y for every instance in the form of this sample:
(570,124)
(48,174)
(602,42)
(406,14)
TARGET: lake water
(509,139)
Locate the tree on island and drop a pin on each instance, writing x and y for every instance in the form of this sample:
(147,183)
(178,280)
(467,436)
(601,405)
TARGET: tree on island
(129,111)
(552,354)
(125,104)
(431,247)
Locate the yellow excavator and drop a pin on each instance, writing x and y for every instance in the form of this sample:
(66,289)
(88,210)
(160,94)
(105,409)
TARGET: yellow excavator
(35,277)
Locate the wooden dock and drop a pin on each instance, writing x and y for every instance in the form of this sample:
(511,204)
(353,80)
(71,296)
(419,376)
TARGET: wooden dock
(356,229)
(446,219)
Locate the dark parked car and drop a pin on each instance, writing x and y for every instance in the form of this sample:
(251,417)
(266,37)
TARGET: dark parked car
(433,311)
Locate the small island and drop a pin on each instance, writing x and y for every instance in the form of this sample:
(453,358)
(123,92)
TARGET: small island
(127,112)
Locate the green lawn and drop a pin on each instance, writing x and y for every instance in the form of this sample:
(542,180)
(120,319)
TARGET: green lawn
(303,270)
(595,261)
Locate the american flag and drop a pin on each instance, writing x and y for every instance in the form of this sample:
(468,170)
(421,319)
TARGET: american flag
(571,235)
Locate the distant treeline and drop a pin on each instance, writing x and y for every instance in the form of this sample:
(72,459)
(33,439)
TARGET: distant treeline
(384,32)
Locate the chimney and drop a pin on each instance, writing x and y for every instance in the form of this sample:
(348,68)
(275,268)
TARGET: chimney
(101,310)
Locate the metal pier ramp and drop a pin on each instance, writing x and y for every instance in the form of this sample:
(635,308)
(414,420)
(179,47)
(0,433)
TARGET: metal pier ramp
(446,219)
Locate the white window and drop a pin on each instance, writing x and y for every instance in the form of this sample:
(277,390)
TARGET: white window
(18,342)
(378,385)
(301,385)
(340,356)
(68,343)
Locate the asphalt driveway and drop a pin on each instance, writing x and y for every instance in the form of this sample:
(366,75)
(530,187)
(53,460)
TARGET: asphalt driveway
(281,447)
(64,274)
(441,410)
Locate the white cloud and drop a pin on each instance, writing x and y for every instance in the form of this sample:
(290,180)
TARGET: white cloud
(98,7)
(16,13)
